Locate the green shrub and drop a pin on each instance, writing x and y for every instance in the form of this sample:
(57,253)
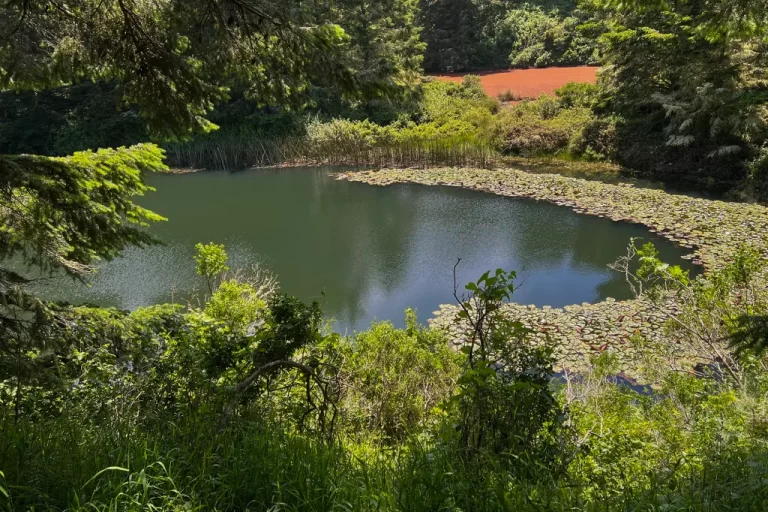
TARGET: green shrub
(451,128)
(575,94)
(123,412)
(396,378)
(443,102)
(508,96)
(503,404)
(692,445)
(236,305)
(757,181)
(598,140)
(343,135)
(210,262)
(539,127)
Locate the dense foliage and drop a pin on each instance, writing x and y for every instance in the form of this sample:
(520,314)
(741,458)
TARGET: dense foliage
(246,402)
(67,212)
(467,35)
(681,97)
(688,81)
(173,59)
(462,117)
(247,399)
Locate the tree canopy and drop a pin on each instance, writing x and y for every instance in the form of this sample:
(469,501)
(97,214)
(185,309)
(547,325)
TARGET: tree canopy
(175,59)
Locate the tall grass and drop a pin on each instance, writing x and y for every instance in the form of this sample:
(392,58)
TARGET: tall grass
(185,465)
(432,153)
(241,150)
(234,151)
(252,466)
(62,464)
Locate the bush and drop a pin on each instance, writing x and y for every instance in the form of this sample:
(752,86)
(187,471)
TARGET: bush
(443,102)
(598,140)
(123,411)
(757,182)
(691,445)
(508,96)
(456,130)
(342,135)
(575,94)
(396,378)
(450,129)
(539,127)
(504,405)
(236,305)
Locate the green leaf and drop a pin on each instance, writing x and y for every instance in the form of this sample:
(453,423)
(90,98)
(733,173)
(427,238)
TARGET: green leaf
(110,468)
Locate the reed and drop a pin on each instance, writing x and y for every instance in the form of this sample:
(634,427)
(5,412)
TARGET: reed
(234,152)
(243,150)
(445,152)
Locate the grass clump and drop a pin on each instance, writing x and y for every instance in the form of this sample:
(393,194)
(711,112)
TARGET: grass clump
(507,96)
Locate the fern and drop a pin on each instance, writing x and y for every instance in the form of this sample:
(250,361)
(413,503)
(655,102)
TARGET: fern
(725,151)
(680,140)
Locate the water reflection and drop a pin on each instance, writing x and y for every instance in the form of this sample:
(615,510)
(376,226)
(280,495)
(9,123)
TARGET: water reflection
(364,252)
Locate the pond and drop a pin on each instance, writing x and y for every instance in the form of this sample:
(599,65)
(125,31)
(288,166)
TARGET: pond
(364,252)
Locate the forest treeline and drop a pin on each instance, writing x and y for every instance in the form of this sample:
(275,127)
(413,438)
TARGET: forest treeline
(681,96)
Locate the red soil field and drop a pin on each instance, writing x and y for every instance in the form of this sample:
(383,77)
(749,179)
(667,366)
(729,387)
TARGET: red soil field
(528,83)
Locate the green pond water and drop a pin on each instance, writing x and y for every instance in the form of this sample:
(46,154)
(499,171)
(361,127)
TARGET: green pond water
(364,252)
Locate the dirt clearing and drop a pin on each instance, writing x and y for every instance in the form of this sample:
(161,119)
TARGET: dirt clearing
(528,83)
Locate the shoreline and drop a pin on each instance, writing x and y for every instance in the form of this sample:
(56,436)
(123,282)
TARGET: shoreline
(712,229)
(591,171)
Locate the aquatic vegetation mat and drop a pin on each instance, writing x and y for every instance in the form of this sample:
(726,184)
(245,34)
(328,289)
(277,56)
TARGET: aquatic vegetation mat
(713,230)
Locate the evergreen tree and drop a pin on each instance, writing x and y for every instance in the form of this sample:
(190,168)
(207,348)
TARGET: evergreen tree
(384,39)
(174,59)
(688,74)
(453,33)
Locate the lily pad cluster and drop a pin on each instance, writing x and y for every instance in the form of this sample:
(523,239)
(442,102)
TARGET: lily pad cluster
(713,230)
(581,332)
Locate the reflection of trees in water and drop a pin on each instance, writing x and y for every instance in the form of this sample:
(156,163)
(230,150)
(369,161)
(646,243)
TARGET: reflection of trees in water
(598,246)
(320,236)
(371,231)
(378,233)
(545,235)
(361,244)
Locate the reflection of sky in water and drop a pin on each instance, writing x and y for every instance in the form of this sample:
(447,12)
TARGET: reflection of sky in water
(428,276)
(364,252)
(151,275)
